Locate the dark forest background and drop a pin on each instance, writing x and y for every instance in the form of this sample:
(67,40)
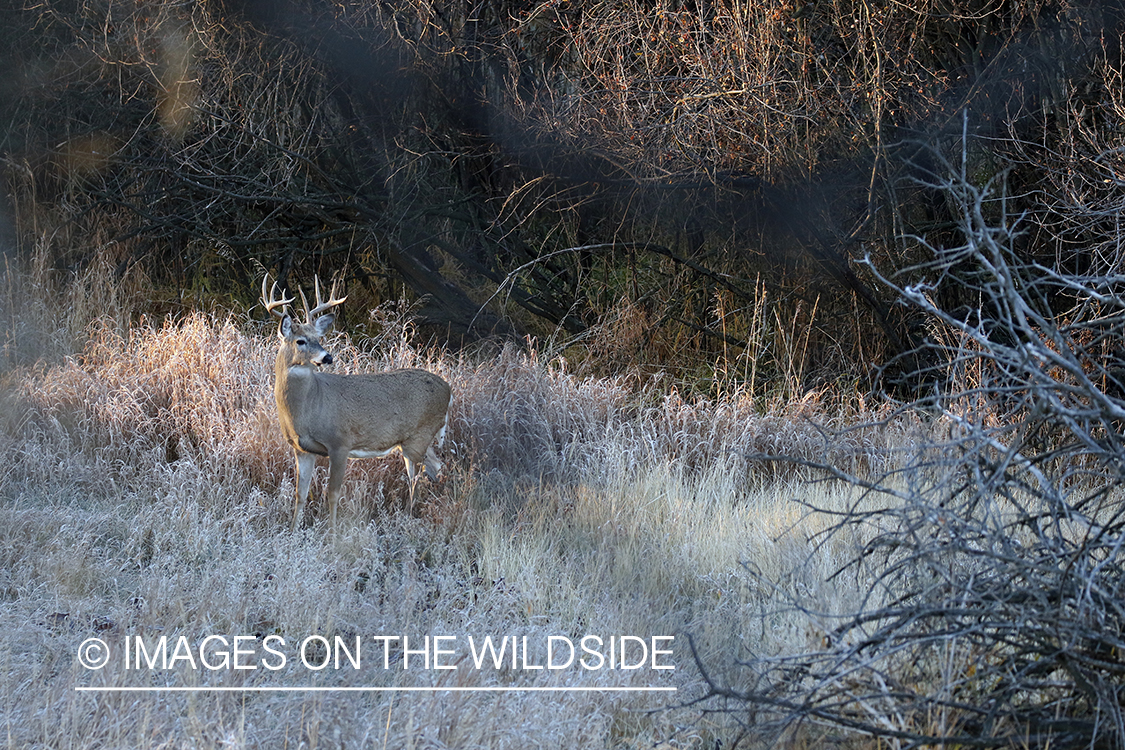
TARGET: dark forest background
(679,185)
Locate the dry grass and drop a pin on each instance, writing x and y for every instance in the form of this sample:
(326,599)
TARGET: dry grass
(145,492)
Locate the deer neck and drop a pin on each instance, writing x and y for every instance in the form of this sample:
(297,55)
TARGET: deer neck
(294,383)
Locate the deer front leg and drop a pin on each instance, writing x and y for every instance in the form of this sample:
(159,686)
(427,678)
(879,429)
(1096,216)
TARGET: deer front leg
(337,464)
(306,467)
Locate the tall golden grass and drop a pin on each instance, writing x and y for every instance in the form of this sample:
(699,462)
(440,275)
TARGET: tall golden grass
(146,489)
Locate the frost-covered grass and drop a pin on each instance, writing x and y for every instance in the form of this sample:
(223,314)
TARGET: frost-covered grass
(145,492)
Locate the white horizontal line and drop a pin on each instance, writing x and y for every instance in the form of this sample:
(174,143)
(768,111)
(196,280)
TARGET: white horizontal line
(297,689)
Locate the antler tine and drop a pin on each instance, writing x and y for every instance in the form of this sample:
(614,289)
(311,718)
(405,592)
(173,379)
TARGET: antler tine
(305,304)
(270,301)
(321,305)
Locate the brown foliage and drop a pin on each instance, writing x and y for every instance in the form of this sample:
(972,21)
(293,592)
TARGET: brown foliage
(528,165)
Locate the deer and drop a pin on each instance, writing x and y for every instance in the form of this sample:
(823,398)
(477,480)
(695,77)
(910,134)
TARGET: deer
(348,416)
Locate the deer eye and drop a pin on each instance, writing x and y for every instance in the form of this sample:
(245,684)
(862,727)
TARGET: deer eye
(301,342)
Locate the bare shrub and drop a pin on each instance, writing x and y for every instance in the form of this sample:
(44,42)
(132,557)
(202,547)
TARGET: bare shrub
(994,570)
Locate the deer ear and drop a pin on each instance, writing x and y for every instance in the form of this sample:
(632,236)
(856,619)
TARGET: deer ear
(285,328)
(323,323)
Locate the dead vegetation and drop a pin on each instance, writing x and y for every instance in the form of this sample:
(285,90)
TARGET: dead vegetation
(146,490)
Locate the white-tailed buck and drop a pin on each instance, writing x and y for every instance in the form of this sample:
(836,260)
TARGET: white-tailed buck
(348,416)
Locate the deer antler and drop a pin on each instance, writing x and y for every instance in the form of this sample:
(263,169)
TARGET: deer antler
(321,305)
(271,302)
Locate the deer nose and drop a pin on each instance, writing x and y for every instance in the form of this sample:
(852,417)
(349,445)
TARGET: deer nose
(327,359)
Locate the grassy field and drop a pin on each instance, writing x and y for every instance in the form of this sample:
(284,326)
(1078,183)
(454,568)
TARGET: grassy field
(146,491)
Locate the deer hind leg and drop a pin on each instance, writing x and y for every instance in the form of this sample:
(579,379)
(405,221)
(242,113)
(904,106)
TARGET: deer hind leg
(337,465)
(306,467)
(419,454)
(411,462)
(433,464)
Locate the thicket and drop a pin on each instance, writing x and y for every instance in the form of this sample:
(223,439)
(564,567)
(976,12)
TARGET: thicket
(693,181)
(995,606)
